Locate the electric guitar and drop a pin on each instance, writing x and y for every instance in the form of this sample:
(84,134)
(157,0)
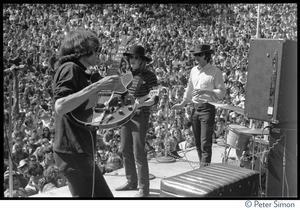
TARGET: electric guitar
(108,108)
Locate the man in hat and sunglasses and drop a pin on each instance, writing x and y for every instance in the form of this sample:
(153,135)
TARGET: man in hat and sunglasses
(133,133)
(205,85)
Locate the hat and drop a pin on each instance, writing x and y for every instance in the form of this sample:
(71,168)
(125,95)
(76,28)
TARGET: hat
(138,50)
(202,48)
(22,163)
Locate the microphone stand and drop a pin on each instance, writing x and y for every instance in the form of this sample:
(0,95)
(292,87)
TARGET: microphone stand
(10,137)
(12,110)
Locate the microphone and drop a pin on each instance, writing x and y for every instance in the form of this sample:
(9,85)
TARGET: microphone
(13,67)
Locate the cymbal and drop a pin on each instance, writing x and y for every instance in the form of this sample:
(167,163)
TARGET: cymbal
(238,110)
(254,131)
(245,130)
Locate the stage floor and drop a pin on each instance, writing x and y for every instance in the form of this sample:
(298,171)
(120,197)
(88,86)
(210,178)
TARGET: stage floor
(158,169)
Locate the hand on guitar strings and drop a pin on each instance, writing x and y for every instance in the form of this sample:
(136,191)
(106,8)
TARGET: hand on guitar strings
(138,103)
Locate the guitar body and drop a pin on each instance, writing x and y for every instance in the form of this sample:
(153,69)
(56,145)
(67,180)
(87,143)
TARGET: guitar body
(107,109)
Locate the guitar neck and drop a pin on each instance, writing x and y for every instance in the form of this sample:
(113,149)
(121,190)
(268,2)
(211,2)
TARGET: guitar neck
(121,49)
(150,95)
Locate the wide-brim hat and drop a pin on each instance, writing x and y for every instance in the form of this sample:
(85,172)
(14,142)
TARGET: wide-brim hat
(22,163)
(137,50)
(202,48)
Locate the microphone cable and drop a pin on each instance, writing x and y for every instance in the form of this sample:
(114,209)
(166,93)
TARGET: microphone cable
(94,165)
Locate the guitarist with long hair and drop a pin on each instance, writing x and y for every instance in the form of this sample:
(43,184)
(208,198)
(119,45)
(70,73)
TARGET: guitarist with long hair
(74,146)
(133,133)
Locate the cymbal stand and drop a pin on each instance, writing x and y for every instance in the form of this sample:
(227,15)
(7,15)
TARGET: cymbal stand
(226,153)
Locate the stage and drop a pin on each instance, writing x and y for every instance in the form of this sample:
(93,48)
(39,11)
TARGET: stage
(157,169)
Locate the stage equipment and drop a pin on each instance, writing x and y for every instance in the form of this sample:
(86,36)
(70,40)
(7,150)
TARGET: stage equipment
(238,110)
(271,90)
(282,162)
(216,180)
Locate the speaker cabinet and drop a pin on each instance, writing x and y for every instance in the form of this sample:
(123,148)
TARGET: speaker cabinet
(271,90)
(282,163)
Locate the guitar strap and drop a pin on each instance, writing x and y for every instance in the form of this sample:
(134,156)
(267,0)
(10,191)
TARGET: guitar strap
(136,84)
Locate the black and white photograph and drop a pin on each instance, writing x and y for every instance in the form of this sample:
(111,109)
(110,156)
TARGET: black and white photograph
(150,101)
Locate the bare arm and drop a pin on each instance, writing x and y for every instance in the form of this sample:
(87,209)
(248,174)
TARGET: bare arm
(180,105)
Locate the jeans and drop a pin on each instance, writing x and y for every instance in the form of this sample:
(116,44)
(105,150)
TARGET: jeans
(133,140)
(203,121)
(78,170)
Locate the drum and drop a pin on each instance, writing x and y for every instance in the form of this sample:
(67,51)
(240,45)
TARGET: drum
(236,138)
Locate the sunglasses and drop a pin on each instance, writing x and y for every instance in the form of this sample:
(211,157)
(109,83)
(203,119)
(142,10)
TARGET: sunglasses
(199,54)
(135,57)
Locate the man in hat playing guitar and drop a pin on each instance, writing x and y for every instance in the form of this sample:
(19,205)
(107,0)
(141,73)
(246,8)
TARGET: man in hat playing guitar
(133,133)
(205,85)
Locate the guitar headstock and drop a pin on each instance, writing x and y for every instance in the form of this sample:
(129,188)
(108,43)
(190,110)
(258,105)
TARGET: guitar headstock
(114,70)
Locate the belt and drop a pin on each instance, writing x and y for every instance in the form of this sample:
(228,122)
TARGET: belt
(202,105)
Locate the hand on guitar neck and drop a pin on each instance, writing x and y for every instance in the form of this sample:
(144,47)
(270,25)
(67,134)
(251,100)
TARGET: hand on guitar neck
(147,100)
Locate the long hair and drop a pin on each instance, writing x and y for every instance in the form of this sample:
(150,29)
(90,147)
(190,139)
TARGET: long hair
(48,135)
(77,44)
(51,175)
(143,66)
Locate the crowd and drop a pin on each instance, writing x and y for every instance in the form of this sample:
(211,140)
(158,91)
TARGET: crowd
(31,38)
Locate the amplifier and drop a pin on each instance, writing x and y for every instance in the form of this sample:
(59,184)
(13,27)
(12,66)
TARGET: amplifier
(271,90)
(216,180)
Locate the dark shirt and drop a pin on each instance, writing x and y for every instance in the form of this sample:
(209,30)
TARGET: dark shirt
(149,81)
(69,137)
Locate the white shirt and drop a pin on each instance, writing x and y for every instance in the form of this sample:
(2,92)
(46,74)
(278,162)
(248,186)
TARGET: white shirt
(209,78)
